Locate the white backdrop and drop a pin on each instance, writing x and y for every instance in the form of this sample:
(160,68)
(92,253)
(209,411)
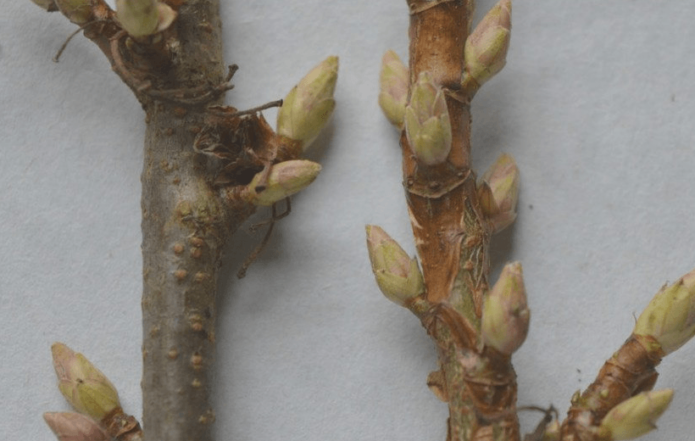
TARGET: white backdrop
(596,104)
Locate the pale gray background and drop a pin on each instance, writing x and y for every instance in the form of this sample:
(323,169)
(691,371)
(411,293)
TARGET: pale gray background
(596,104)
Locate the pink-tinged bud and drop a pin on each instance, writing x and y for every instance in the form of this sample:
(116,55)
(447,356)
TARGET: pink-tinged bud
(635,416)
(68,426)
(283,180)
(670,316)
(397,275)
(499,192)
(307,108)
(506,315)
(82,384)
(427,123)
(48,5)
(486,48)
(393,95)
(140,18)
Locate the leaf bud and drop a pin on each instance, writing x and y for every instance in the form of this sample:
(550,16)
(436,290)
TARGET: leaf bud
(309,105)
(499,192)
(77,11)
(506,315)
(140,18)
(284,179)
(670,316)
(427,123)
(397,275)
(48,5)
(485,52)
(635,416)
(393,82)
(82,384)
(69,426)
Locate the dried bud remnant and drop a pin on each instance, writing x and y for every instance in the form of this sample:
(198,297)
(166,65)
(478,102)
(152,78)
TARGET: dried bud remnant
(82,384)
(397,275)
(393,95)
(309,105)
(635,416)
(486,48)
(670,316)
(427,123)
(505,312)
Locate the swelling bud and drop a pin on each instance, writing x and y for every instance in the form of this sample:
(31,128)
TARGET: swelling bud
(283,180)
(77,11)
(393,82)
(397,275)
(309,105)
(635,416)
(68,426)
(48,5)
(427,124)
(499,192)
(506,315)
(82,384)
(670,316)
(485,52)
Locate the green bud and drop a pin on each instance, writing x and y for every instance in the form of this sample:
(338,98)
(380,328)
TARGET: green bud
(283,180)
(82,384)
(506,316)
(499,192)
(77,11)
(485,51)
(552,431)
(309,105)
(397,275)
(68,426)
(48,5)
(670,316)
(393,82)
(140,18)
(427,123)
(635,416)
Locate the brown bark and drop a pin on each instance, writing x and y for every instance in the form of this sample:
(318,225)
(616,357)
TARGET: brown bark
(452,238)
(629,371)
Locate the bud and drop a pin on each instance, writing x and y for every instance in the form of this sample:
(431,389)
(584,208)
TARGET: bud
(48,5)
(141,18)
(635,416)
(284,179)
(427,124)
(309,105)
(552,431)
(505,313)
(499,192)
(393,82)
(397,275)
(670,316)
(68,426)
(485,51)
(77,11)
(82,384)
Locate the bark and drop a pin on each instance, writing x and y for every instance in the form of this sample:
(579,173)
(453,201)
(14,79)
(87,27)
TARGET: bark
(199,157)
(452,238)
